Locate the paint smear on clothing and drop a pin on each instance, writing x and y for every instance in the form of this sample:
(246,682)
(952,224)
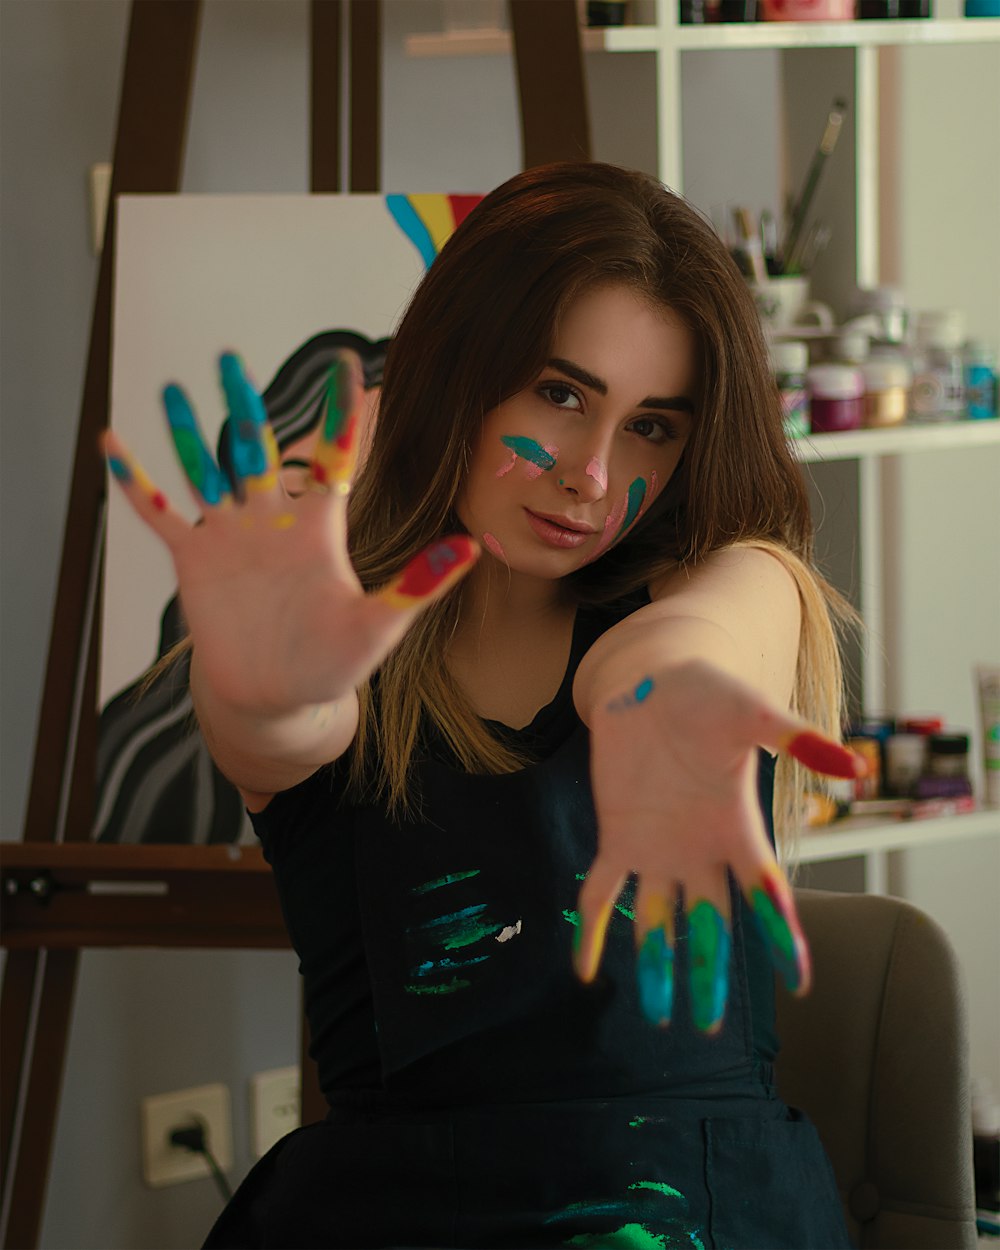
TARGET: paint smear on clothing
(631,1236)
(460,928)
(439,882)
(512,930)
(456,983)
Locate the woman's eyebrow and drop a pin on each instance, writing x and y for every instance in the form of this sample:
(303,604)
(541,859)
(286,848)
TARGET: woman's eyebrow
(585,378)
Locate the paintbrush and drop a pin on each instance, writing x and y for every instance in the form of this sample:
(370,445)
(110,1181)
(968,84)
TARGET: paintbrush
(826,145)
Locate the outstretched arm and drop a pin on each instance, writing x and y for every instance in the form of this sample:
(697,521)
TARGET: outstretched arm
(678,698)
(282,631)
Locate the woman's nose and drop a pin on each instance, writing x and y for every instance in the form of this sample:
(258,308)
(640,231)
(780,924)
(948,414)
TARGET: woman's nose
(586,477)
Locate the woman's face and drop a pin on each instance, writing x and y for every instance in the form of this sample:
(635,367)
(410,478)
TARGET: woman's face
(565,468)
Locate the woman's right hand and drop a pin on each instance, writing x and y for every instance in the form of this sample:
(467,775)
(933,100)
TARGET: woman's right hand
(275,611)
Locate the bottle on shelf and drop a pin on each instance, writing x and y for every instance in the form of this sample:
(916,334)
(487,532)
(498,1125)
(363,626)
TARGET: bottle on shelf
(790,361)
(938,392)
(980,368)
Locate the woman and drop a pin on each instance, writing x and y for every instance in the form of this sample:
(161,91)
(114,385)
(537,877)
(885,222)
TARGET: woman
(519,807)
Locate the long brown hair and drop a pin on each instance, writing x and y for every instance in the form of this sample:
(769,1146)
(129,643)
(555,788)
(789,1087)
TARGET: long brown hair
(478,330)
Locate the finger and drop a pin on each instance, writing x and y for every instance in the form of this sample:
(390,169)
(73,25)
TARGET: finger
(597,900)
(431,574)
(773,906)
(254,453)
(654,931)
(814,749)
(149,503)
(198,463)
(709,948)
(336,450)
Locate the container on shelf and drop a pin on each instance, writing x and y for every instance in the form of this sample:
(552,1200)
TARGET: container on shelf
(980,368)
(938,392)
(905,760)
(881,9)
(982,8)
(790,361)
(807,10)
(948,755)
(836,398)
(887,390)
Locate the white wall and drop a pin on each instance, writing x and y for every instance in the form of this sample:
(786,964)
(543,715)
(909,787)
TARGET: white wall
(151,1022)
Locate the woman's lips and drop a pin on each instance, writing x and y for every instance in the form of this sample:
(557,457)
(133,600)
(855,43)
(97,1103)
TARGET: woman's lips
(557,535)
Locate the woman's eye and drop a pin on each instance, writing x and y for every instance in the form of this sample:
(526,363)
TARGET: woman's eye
(561,394)
(651,429)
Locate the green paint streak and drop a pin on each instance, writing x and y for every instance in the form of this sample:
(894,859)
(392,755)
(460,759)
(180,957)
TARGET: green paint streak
(628,1237)
(660,1188)
(638,1122)
(469,934)
(636,494)
(696,1241)
(709,944)
(529,450)
(571,917)
(456,983)
(448,880)
(627,912)
(777,934)
(336,411)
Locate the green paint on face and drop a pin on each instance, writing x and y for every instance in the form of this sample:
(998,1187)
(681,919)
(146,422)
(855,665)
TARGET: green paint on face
(709,943)
(529,450)
(636,495)
(438,882)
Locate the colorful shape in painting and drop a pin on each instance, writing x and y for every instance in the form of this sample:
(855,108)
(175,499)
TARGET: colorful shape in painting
(429,221)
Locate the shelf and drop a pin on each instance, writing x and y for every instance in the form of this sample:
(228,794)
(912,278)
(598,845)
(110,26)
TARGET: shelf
(725,35)
(850,838)
(900,440)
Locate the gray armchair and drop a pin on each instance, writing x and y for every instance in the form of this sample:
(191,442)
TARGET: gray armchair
(877,1056)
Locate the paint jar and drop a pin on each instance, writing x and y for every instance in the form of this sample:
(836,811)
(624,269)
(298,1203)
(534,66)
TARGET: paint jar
(980,366)
(948,755)
(836,398)
(905,760)
(790,361)
(938,392)
(807,10)
(982,8)
(870,785)
(887,390)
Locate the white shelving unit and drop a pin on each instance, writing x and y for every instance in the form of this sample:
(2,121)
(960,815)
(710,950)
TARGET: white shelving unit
(659,33)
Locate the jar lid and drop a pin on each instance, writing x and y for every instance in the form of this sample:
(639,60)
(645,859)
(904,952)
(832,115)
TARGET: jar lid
(853,347)
(836,382)
(949,744)
(789,356)
(941,327)
(922,725)
(979,353)
(882,373)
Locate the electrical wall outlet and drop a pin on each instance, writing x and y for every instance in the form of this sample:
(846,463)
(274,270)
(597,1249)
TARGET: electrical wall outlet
(276,1106)
(163,1163)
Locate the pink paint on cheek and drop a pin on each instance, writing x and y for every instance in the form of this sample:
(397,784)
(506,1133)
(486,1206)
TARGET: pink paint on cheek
(492,543)
(506,468)
(598,471)
(612,524)
(536,470)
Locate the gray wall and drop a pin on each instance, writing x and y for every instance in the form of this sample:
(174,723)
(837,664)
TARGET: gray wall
(153,1022)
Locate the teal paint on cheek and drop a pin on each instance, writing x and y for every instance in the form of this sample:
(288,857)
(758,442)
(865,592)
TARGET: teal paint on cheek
(636,495)
(529,450)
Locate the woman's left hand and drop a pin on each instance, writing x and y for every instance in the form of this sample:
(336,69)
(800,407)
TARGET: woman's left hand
(674,773)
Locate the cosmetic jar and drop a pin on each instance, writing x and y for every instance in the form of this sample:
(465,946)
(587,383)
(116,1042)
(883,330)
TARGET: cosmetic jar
(789,361)
(836,398)
(887,385)
(905,761)
(870,785)
(948,755)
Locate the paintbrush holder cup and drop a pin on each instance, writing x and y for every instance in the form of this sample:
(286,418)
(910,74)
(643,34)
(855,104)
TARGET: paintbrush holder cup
(783,303)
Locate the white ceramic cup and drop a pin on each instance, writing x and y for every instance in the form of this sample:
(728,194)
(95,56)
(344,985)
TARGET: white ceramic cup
(784,302)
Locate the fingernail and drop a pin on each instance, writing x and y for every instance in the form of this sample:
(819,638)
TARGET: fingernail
(442,562)
(820,754)
(772,911)
(709,944)
(589,943)
(656,976)
(253,455)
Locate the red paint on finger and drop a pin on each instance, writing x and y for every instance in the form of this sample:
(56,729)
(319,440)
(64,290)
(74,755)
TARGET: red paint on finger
(822,755)
(440,564)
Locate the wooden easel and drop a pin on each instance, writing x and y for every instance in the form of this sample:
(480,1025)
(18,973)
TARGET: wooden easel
(63,893)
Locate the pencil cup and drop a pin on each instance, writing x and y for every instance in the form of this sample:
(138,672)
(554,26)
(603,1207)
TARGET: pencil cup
(784,302)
